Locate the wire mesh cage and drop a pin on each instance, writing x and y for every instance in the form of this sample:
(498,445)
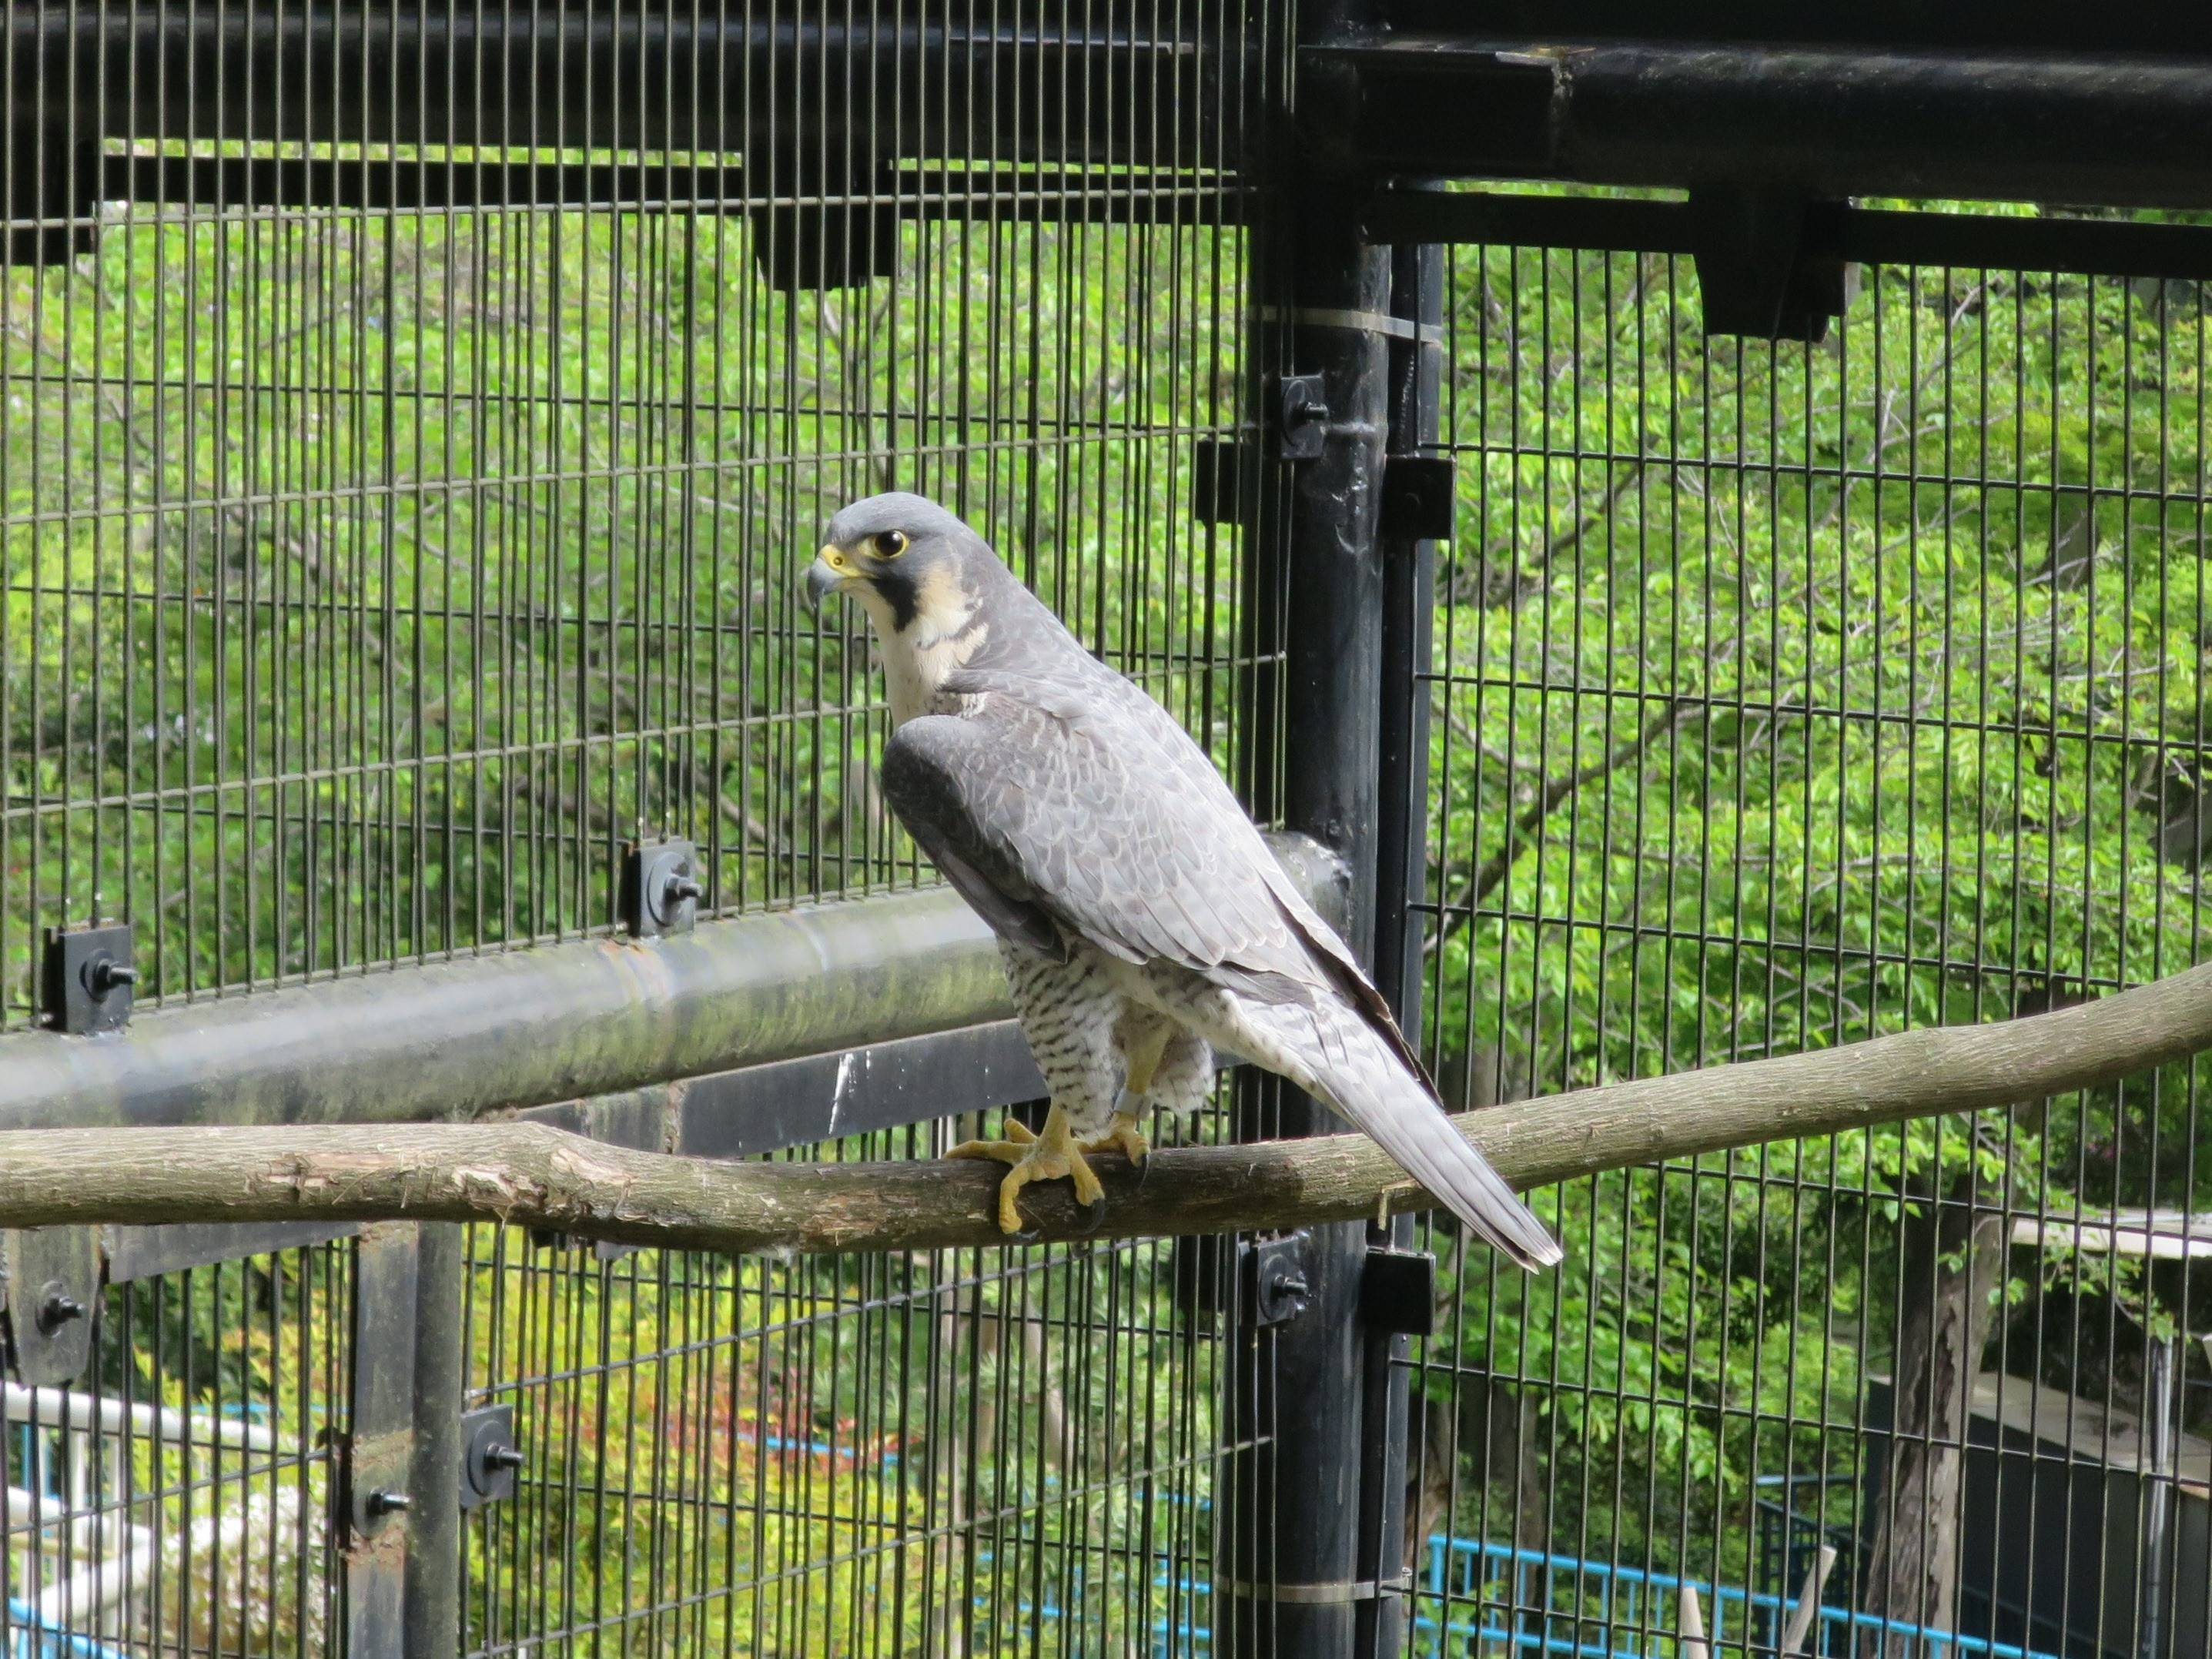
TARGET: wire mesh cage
(405,509)
(1790,694)
(414,426)
(413,423)
(942,1452)
(175,1498)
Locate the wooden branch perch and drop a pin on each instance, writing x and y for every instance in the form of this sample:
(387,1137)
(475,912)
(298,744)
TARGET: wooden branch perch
(528,1173)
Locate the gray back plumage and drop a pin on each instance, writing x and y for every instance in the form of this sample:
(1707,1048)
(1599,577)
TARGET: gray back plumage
(1071,809)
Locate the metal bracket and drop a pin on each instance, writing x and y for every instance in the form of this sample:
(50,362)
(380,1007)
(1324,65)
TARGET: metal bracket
(1271,1280)
(1756,270)
(490,1458)
(661,890)
(53,1297)
(1274,1276)
(1418,498)
(373,1471)
(1398,1291)
(1301,411)
(58,180)
(1324,1595)
(89,974)
(849,241)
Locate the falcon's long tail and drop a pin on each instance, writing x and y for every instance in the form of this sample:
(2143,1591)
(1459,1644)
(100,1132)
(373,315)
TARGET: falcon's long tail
(1339,1058)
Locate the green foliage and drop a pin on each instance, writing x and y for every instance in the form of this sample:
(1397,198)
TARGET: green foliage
(368,583)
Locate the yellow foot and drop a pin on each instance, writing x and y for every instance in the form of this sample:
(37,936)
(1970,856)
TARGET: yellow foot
(1047,1156)
(1122,1135)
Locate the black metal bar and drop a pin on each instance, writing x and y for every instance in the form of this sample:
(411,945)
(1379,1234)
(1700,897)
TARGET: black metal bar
(137,1253)
(1297,1590)
(1825,122)
(1416,360)
(433,1595)
(2006,25)
(377,1507)
(2101,247)
(217,184)
(566,75)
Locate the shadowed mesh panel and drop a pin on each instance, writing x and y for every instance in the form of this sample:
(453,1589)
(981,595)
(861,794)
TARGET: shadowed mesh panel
(948,1452)
(176,1497)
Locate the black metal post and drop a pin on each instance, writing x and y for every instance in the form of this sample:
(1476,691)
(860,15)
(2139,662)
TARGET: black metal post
(1416,358)
(378,1499)
(1297,1590)
(434,1544)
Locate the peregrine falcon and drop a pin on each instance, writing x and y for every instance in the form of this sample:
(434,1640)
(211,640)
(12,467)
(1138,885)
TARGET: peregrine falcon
(1143,921)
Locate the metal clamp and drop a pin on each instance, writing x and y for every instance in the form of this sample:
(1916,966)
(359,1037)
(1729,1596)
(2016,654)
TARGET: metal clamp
(490,1458)
(52,1297)
(1301,410)
(1359,322)
(660,890)
(1321,1595)
(88,978)
(1277,1281)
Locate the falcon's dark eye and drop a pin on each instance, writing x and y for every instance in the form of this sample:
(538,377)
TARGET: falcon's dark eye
(890,543)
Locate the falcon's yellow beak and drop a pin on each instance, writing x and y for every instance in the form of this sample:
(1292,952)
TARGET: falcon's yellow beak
(831,573)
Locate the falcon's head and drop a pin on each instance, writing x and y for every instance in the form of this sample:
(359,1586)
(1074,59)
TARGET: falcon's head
(914,566)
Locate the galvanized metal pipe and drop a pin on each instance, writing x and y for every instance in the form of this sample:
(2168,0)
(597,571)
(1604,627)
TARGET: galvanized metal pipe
(461,1038)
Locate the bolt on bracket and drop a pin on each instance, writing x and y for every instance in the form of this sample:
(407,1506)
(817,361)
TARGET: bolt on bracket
(661,889)
(53,1298)
(89,977)
(490,1460)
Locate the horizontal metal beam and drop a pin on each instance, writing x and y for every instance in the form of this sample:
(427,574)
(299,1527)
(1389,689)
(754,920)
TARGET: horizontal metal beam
(1824,122)
(820,89)
(1968,241)
(2143,25)
(555,1024)
(994,195)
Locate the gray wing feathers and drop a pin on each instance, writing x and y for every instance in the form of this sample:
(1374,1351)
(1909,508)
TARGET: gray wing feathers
(1086,820)
(1358,1075)
(1082,812)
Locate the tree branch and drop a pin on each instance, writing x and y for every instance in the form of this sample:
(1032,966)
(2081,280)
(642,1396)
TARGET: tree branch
(1556,791)
(1498,581)
(530,1174)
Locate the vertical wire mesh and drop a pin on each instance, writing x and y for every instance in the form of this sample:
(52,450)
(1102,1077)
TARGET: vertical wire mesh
(949,1452)
(1790,695)
(175,1499)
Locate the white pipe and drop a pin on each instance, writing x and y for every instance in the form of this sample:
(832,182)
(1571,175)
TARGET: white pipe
(99,1587)
(57,1408)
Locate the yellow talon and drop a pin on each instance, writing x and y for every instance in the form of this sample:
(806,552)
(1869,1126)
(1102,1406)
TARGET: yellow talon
(1122,1135)
(1035,1158)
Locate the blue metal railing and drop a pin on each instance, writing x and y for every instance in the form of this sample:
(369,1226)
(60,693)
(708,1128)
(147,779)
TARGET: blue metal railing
(1493,1599)
(34,1635)
(1478,1601)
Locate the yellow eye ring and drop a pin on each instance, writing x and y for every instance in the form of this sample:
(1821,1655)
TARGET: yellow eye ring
(890,543)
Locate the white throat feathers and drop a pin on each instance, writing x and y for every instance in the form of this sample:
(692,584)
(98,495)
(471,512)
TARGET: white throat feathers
(938,641)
